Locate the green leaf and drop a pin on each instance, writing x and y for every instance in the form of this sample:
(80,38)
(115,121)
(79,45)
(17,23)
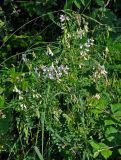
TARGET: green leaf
(109,122)
(1,23)
(83,2)
(2,101)
(116,109)
(106,153)
(96,154)
(38,153)
(119,150)
(68,4)
(38,113)
(95,145)
(77,3)
(24,85)
(110,133)
(1,90)
(100,2)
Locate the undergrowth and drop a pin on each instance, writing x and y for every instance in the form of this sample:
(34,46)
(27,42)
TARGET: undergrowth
(61,100)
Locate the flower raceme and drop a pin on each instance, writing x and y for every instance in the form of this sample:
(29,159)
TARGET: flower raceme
(54,72)
(85,48)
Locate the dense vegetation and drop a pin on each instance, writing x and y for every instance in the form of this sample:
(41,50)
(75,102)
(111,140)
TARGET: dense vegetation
(60,86)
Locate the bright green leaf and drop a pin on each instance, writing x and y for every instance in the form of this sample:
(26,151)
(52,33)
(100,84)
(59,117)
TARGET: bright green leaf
(110,133)
(1,23)
(104,150)
(116,109)
(119,150)
(94,145)
(106,153)
(2,101)
(109,122)
(96,154)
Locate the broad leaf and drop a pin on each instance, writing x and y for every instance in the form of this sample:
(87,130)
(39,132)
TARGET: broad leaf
(105,152)
(94,145)
(116,109)
(109,122)
(110,133)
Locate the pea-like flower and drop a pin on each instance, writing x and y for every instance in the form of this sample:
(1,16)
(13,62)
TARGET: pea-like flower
(24,58)
(54,72)
(49,51)
(63,18)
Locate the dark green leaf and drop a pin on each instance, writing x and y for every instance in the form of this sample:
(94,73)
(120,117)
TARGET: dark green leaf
(68,4)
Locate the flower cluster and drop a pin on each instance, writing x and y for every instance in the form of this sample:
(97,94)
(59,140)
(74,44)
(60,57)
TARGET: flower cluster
(100,72)
(49,51)
(24,58)
(85,48)
(54,72)
(20,97)
(35,94)
(15,89)
(82,31)
(63,19)
(97,96)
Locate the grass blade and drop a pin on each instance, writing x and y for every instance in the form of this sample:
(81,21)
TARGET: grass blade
(38,153)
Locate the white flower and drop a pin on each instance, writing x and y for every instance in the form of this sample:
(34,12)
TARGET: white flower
(87,45)
(33,54)
(44,68)
(62,18)
(50,76)
(81,46)
(106,50)
(24,57)
(49,51)
(36,95)
(92,40)
(16,90)
(3,116)
(59,74)
(23,106)
(83,53)
(36,70)
(54,72)
(97,96)
(61,67)
(21,97)
(102,70)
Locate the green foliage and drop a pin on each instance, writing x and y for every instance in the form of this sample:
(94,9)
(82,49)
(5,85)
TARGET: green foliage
(60,81)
